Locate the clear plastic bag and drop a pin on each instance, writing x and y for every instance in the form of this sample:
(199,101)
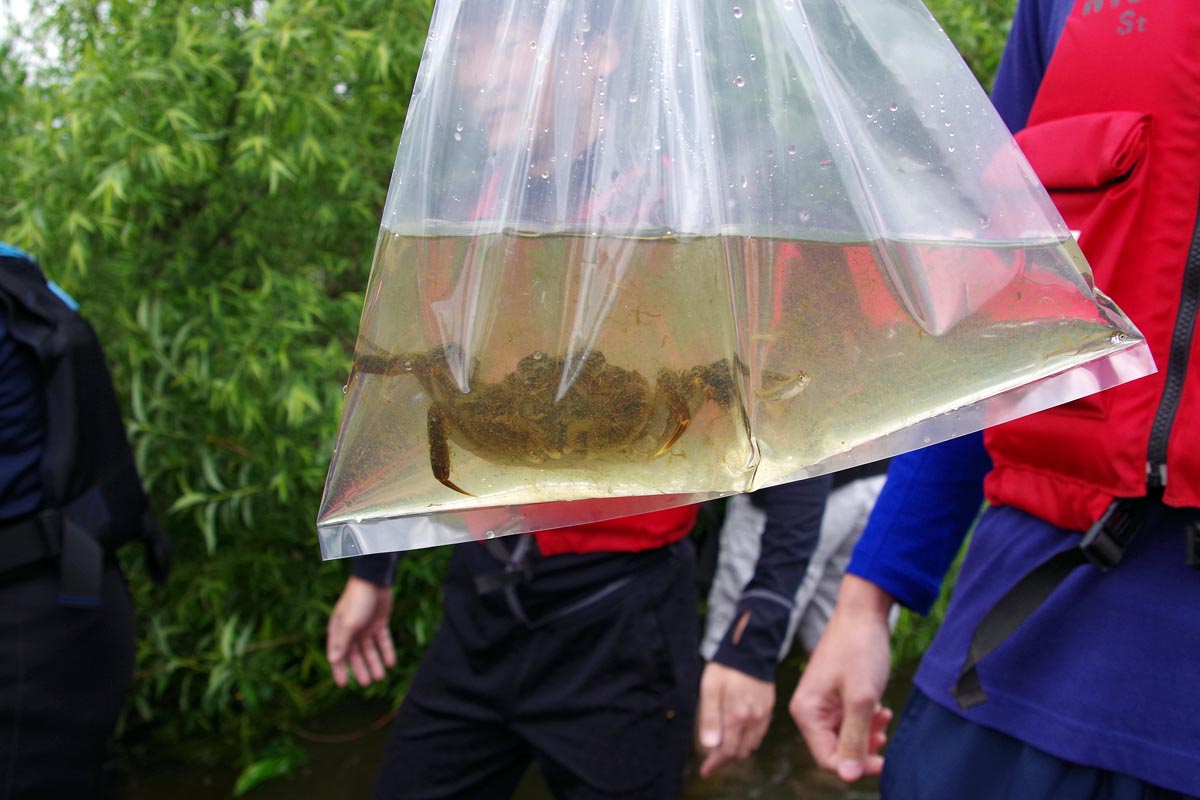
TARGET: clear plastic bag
(642,254)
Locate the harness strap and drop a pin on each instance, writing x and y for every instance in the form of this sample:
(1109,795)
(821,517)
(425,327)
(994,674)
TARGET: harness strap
(1103,546)
(78,537)
(518,569)
(31,540)
(518,566)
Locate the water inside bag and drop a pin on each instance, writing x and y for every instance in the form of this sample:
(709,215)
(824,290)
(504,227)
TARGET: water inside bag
(677,391)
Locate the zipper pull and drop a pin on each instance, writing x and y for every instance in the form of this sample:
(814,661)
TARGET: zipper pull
(1156,475)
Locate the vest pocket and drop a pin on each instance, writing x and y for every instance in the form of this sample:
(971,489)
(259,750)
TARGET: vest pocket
(1093,167)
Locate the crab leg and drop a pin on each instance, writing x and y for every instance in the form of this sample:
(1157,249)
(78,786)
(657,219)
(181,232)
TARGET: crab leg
(669,387)
(439,450)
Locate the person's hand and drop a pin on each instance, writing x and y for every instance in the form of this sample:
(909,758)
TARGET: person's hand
(735,710)
(358,633)
(837,702)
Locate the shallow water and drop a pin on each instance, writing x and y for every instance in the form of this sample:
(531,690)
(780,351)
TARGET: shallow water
(344,747)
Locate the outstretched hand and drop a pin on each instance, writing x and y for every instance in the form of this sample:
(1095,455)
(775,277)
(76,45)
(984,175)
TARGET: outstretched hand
(837,704)
(358,633)
(735,711)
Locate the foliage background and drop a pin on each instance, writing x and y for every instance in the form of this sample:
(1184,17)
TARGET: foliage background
(206,178)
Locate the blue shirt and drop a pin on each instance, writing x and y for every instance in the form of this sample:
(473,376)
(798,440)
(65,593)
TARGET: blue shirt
(1104,673)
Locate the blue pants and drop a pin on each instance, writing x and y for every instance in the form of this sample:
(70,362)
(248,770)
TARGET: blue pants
(935,754)
(602,695)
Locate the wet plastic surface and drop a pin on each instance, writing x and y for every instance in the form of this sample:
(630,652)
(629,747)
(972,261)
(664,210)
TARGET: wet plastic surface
(644,254)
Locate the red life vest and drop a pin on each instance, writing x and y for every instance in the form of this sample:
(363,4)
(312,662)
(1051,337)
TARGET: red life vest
(625,534)
(1114,134)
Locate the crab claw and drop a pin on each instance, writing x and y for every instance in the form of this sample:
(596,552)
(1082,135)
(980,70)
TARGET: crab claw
(669,387)
(439,450)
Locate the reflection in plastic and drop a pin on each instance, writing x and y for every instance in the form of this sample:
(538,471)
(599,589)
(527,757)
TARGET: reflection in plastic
(641,254)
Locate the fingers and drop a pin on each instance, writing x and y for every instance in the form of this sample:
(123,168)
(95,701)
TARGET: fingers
(336,642)
(837,703)
(711,722)
(358,640)
(817,713)
(854,737)
(387,649)
(731,748)
(708,715)
(879,723)
(358,665)
(838,736)
(734,714)
(340,677)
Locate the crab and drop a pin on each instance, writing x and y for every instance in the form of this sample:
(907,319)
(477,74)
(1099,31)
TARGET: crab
(532,416)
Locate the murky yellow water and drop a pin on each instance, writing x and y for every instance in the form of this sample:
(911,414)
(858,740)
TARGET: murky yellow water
(509,369)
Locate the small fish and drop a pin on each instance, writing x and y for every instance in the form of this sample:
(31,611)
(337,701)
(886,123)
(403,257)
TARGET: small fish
(777,387)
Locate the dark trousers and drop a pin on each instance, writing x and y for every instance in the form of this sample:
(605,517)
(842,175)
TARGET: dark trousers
(64,675)
(936,754)
(602,697)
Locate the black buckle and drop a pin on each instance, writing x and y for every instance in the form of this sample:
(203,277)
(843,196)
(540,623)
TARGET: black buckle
(513,575)
(1192,535)
(1106,541)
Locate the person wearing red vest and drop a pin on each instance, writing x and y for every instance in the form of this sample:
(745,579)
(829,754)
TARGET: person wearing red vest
(1066,664)
(575,647)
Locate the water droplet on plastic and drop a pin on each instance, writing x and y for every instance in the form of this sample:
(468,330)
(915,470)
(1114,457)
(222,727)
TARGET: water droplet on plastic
(825,162)
(770,153)
(489,535)
(458,127)
(870,115)
(1117,338)
(457,136)
(408,365)
(538,355)
(737,12)
(789,4)
(696,52)
(927,439)
(585,25)
(951,148)
(744,182)
(533,45)
(893,106)
(791,149)
(739,81)
(345,388)
(633,97)
(947,123)
(985,222)
(545,174)
(805,216)
(753,57)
